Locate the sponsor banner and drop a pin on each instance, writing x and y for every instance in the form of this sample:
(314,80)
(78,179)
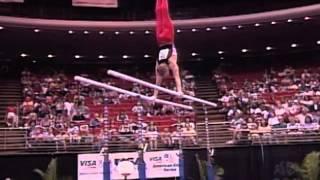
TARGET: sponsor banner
(96,3)
(162,164)
(90,166)
(10,1)
(124,165)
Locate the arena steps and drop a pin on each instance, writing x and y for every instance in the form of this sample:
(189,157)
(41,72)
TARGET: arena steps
(217,134)
(10,94)
(15,140)
(12,139)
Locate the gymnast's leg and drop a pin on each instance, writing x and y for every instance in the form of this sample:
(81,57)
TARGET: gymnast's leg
(167,59)
(164,25)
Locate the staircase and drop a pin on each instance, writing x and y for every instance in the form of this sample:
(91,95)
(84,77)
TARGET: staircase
(217,126)
(10,94)
(12,140)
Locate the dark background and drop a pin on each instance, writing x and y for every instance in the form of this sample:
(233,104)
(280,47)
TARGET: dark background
(143,9)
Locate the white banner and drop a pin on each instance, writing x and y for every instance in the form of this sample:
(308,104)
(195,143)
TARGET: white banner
(10,1)
(124,164)
(96,3)
(90,166)
(162,164)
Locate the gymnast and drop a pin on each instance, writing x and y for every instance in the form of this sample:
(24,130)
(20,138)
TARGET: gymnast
(167,57)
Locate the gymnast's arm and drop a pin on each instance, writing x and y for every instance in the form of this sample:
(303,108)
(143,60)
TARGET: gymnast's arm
(159,80)
(173,65)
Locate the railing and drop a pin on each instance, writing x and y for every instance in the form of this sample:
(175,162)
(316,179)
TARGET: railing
(17,140)
(275,136)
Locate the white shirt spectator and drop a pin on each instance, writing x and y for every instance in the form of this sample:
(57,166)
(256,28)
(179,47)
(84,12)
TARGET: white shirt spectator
(255,111)
(307,102)
(265,114)
(305,75)
(317,93)
(123,96)
(307,93)
(237,122)
(137,109)
(293,87)
(225,98)
(301,117)
(245,99)
(279,111)
(294,109)
(232,112)
(68,106)
(73,130)
(309,126)
(273,121)
(293,126)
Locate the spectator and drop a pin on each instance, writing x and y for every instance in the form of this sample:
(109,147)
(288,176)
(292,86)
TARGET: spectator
(125,131)
(80,112)
(188,131)
(53,100)
(74,133)
(293,127)
(68,106)
(281,125)
(309,126)
(265,130)
(27,105)
(176,135)
(48,135)
(165,136)
(138,108)
(152,135)
(12,118)
(59,107)
(273,120)
(95,121)
(167,109)
(278,96)
(251,124)
(122,117)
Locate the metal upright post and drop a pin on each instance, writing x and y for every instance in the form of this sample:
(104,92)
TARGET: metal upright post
(106,136)
(140,125)
(210,168)
(141,163)
(106,123)
(179,129)
(181,159)
(106,166)
(206,122)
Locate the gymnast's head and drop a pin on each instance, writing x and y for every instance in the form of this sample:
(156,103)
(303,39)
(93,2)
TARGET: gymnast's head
(163,70)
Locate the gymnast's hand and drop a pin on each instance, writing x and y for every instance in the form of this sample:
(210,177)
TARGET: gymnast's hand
(180,94)
(153,99)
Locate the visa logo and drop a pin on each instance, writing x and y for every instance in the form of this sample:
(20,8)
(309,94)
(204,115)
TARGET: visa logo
(88,163)
(155,159)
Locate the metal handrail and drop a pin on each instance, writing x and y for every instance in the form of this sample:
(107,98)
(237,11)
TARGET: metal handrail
(55,145)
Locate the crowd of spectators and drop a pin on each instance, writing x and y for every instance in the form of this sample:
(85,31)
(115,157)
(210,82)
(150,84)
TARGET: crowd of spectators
(58,109)
(284,102)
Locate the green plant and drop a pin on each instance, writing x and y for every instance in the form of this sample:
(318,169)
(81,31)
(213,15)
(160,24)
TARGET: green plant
(51,172)
(201,167)
(203,171)
(309,169)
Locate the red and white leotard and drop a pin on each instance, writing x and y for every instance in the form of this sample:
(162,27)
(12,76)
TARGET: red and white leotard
(164,25)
